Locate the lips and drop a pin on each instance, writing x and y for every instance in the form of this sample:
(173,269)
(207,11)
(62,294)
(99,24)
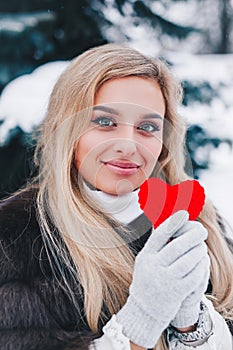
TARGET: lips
(120,164)
(122,167)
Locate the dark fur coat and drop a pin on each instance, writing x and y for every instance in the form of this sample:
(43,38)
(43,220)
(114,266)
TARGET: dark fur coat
(35,312)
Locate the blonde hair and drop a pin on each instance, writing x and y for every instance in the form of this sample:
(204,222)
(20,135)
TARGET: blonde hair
(98,255)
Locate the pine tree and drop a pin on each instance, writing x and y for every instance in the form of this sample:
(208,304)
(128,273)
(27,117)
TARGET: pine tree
(33,32)
(198,26)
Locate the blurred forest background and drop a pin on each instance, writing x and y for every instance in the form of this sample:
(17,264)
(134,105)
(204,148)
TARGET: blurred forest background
(194,36)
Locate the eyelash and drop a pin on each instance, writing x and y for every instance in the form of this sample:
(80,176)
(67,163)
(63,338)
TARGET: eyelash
(155,127)
(97,121)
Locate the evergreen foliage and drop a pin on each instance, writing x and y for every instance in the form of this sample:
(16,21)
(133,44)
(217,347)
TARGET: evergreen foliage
(33,32)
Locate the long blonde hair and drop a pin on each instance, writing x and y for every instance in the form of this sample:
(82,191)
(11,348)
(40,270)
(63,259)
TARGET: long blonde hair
(99,257)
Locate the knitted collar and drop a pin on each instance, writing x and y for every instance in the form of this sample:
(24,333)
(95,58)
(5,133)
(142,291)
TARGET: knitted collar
(123,208)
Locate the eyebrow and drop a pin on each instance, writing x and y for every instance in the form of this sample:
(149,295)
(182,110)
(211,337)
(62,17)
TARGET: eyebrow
(105,109)
(114,111)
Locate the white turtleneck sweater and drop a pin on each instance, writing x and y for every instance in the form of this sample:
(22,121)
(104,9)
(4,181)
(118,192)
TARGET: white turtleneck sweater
(123,208)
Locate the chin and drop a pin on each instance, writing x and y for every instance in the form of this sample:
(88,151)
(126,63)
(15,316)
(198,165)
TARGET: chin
(120,188)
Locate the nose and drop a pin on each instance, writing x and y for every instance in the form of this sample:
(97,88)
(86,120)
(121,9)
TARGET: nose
(125,144)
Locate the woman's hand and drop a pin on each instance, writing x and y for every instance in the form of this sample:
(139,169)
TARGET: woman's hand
(164,275)
(188,314)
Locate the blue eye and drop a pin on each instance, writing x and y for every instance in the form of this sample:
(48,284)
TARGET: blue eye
(104,121)
(149,127)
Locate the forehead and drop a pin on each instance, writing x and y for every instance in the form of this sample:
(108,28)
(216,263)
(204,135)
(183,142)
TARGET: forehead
(132,90)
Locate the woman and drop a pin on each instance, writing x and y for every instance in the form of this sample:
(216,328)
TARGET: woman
(69,277)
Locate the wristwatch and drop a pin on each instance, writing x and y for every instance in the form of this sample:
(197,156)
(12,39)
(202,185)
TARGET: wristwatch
(203,331)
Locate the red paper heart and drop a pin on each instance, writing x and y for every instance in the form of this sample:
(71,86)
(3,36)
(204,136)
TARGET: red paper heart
(159,200)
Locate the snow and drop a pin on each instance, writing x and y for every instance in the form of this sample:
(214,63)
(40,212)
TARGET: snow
(23,102)
(216,117)
(213,68)
(218,181)
(12,26)
(20,22)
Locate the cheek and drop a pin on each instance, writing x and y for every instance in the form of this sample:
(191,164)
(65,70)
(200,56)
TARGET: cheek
(89,147)
(83,148)
(152,152)
(152,149)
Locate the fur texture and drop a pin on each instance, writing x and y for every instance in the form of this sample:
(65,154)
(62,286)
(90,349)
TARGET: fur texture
(35,312)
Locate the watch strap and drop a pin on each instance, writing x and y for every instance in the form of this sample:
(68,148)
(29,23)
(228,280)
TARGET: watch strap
(204,329)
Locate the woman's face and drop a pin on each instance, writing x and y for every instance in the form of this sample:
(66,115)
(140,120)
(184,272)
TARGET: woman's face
(119,150)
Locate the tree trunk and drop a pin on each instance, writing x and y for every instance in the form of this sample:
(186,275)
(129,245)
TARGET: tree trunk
(226,25)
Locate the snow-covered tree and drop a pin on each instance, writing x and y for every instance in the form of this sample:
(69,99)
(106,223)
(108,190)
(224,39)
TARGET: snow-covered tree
(197,26)
(33,32)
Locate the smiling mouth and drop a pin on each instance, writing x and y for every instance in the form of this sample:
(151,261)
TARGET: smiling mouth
(123,168)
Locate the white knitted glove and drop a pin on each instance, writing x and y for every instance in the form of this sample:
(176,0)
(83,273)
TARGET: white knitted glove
(189,311)
(164,275)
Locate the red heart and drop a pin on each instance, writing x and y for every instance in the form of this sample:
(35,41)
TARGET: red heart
(159,200)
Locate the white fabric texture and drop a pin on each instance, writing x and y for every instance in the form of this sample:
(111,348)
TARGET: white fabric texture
(113,339)
(123,208)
